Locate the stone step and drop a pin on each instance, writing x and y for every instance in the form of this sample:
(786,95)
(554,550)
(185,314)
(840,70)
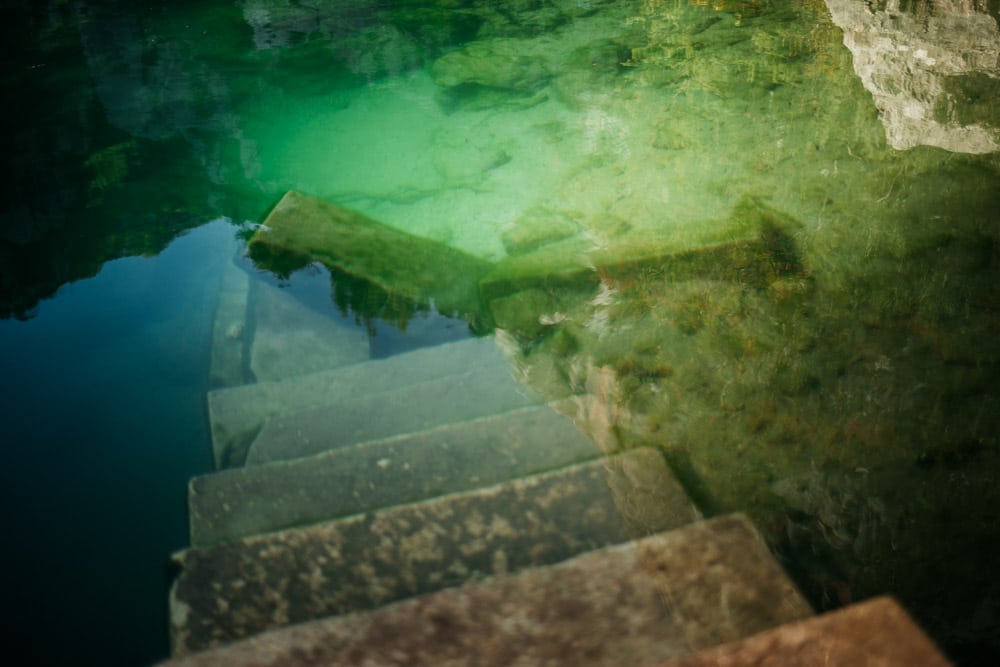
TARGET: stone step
(877,632)
(302,229)
(228,366)
(633,604)
(238,589)
(476,393)
(292,339)
(240,502)
(236,414)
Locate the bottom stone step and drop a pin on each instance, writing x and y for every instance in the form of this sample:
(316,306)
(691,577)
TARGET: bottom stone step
(634,604)
(241,588)
(877,633)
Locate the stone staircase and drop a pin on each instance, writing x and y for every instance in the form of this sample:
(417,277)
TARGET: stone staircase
(426,509)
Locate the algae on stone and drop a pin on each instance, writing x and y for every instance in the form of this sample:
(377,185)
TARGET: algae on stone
(302,229)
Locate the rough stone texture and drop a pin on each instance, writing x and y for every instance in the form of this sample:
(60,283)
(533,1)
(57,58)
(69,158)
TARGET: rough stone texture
(909,61)
(241,502)
(290,339)
(877,633)
(238,589)
(459,397)
(753,245)
(631,604)
(229,334)
(236,414)
(303,229)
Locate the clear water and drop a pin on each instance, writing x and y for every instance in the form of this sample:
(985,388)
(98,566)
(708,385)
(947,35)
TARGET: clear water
(850,405)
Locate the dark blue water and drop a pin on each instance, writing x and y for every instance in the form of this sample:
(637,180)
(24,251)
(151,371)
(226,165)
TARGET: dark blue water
(102,405)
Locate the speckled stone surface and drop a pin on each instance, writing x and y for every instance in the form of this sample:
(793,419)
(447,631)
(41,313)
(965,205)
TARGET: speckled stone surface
(479,392)
(632,604)
(241,502)
(238,589)
(877,633)
(236,414)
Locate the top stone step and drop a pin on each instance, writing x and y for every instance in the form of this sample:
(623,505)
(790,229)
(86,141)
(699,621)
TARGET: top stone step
(236,414)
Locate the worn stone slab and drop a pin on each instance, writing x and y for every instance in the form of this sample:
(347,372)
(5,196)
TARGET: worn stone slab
(631,604)
(877,633)
(453,398)
(236,414)
(241,502)
(754,245)
(228,367)
(291,339)
(238,589)
(302,229)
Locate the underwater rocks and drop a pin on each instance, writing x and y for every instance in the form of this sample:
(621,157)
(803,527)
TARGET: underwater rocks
(548,248)
(950,61)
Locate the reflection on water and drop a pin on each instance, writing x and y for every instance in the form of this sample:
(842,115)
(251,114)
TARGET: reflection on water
(761,237)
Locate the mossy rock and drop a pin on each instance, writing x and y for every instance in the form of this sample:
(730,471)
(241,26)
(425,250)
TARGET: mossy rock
(536,227)
(303,229)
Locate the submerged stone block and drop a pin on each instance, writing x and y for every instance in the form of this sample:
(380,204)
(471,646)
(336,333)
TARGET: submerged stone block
(303,229)
(241,502)
(479,392)
(235,590)
(632,604)
(229,334)
(290,339)
(754,245)
(236,414)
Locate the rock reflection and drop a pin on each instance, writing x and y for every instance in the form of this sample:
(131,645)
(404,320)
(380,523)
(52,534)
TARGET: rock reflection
(930,67)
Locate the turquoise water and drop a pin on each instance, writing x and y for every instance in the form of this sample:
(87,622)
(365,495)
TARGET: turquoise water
(841,387)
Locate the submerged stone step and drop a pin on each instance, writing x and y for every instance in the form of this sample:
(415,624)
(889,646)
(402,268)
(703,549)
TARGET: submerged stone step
(240,502)
(291,339)
(633,604)
(302,229)
(754,245)
(236,414)
(238,589)
(453,398)
(228,366)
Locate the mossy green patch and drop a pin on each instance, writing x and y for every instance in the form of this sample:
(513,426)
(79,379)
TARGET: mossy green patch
(303,229)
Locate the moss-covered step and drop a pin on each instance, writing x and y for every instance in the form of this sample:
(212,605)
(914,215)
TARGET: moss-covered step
(241,502)
(237,589)
(478,392)
(236,414)
(753,245)
(303,229)
(638,603)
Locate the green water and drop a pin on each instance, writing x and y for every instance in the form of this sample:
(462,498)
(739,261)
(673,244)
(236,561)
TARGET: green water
(841,387)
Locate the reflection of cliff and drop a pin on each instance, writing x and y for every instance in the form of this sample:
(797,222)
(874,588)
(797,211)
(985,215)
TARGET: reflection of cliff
(105,115)
(932,66)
